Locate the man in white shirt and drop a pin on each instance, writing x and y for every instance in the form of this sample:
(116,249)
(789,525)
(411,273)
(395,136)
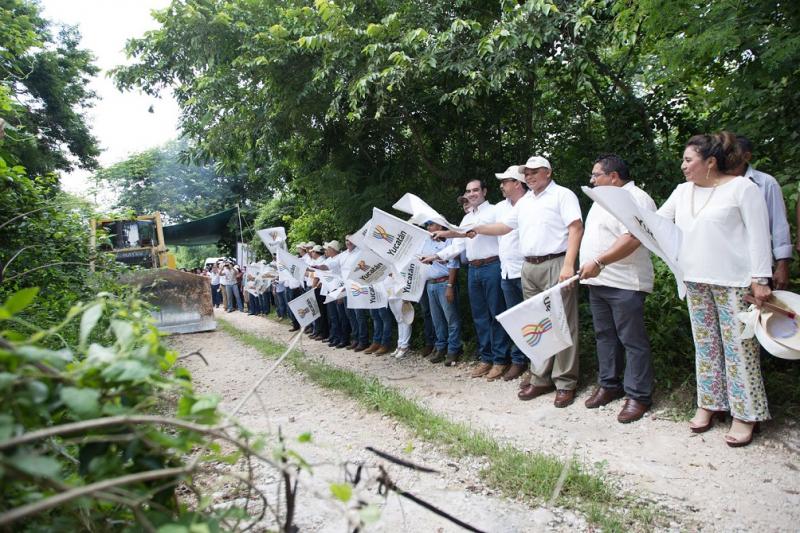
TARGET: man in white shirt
(358,318)
(513,187)
(550,228)
(293,286)
(619,274)
(776,208)
(485,294)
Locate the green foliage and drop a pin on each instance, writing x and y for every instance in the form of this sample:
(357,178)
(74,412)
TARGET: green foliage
(43,92)
(119,368)
(337,107)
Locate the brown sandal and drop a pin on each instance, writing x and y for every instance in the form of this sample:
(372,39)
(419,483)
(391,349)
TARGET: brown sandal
(719,415)
(733,442)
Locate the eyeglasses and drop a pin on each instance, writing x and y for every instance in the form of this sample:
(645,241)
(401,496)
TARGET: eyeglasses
(597,174)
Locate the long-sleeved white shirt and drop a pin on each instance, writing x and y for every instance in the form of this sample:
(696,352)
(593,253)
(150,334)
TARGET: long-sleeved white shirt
(511,257)
(482,246)
(727,241)
(776,209)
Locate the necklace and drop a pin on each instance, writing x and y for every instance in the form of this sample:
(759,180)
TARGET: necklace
(713,188)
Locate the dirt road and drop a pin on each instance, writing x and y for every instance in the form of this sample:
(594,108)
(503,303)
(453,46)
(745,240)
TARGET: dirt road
(697,477)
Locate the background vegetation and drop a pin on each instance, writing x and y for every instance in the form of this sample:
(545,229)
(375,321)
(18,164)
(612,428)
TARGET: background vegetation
(332,108)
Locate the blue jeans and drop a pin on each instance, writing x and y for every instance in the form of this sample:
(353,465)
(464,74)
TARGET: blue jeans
(253,305)
(427,319)
(445,318)
(486,302)
(335,331)
(282,302)
(263,303)
(233,292)
(358,325)
(512,293)
(344,321)
(216,297)
(382,322)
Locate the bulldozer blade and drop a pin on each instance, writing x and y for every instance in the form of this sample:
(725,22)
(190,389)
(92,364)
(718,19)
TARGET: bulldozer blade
(182,300)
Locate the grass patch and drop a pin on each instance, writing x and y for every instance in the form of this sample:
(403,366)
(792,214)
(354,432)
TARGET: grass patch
(515,473)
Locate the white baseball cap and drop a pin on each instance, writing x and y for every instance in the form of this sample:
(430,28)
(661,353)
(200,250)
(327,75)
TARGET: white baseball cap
(334,245)
(514,172)
(537,161)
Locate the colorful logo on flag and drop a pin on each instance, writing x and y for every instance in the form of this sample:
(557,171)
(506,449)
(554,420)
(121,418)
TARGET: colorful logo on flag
(381,234)
(303,311)
(362,265)
(533,332)
(359,291)
(274,235)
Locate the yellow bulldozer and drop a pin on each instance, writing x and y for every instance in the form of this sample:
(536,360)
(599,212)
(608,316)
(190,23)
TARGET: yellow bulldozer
(182,300)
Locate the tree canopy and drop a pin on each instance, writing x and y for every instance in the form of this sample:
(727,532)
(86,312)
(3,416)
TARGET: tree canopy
(349,104)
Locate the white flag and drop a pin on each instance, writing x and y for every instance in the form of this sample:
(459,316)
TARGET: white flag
(290,266)
(305,308)
(421,212)
(538,326)
(272,236)
(334,295)
(329,282)
(393,239)
(358,237)
(365,296)
(368,268)
(411,280)
(655,232)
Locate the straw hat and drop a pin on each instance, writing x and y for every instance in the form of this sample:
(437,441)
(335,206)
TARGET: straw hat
(777,333)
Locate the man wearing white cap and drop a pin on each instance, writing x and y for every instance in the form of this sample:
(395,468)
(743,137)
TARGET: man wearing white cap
(513,187)
(550,228)
(483,282)
(293,286)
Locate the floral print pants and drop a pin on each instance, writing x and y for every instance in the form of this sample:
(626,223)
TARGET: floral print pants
(728,367)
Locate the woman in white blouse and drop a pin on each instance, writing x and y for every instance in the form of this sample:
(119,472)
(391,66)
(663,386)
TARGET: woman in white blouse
(725,255)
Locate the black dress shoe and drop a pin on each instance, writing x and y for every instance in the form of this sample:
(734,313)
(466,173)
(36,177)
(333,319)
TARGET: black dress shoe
(294,329)
(343,345)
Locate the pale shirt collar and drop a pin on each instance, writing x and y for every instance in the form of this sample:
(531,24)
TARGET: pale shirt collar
(549,186)
(482,206)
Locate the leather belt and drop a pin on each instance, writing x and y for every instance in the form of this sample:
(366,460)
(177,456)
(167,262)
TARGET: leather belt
(481,262)
(439,280)
(542,258)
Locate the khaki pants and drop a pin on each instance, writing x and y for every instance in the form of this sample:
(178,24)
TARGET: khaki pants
(562,368)
(224,296)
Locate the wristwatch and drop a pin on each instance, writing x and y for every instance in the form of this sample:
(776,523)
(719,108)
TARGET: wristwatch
(761,281)
(449,285)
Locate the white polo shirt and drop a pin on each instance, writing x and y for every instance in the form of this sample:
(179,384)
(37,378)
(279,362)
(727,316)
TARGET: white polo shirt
(482,246)
(542,220)
(511,258)
(634,272)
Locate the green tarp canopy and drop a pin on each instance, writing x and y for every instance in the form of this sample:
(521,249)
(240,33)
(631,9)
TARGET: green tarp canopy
(204,231)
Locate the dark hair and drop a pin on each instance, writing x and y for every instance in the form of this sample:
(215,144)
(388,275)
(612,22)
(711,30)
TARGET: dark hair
(722,146)
(461,199)
(614,163)
(482,182)
(744,143)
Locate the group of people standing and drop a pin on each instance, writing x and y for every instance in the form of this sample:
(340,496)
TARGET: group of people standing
(736,242)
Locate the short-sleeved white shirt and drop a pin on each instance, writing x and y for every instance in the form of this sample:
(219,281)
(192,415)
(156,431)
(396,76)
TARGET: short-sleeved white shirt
(542,220)
(634,272)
